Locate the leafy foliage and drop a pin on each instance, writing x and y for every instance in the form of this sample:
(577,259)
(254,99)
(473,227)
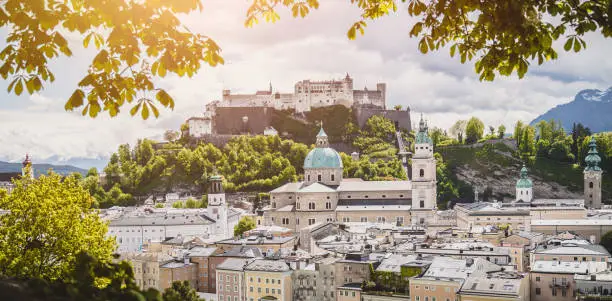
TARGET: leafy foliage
(180,291)
(135,41)
(504,37)
(245,223)
(48,221)
(473,130)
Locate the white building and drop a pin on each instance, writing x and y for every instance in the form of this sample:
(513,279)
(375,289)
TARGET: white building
(199,126)
(325,196)
(309,94)
(135,230)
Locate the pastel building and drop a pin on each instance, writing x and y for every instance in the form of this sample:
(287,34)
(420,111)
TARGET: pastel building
(268,280)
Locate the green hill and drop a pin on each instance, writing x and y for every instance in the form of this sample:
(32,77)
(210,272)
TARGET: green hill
(495,167)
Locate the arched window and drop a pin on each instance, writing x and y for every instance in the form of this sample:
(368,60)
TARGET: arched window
(332,177)
(297,205)
(328,205)
(319,178)
(308,178)
(590,184)
(422,173)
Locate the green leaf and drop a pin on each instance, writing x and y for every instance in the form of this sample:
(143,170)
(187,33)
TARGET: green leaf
(135,109)
(145,111)
(577,46)
(423,46)
(165,99)
(453,48)
(19,87)
(76,100)
(568,44)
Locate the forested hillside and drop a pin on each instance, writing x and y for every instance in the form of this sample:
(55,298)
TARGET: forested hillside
(248,163)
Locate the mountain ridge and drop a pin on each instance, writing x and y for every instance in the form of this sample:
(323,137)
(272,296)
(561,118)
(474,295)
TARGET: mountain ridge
(591,107)
(41,168)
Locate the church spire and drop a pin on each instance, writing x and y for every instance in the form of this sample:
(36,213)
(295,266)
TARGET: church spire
(592,160)
(322,139)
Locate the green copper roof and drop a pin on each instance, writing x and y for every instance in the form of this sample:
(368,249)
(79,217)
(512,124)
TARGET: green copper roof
(321,133)
(592,159)
(323,157)
(524,181)
(422,136)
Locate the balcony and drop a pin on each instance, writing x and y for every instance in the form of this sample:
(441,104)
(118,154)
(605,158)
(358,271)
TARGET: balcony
(559,283)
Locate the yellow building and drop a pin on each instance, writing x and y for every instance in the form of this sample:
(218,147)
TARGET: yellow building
(268,280)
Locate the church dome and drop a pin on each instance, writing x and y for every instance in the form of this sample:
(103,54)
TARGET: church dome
(323,156)
(524,181)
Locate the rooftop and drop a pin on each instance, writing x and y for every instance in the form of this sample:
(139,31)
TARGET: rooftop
(161,219)
(289,187)
(491,286)
(265,265)
(355,186)
(233,264)
(557,267)
(571,222)
(316,187)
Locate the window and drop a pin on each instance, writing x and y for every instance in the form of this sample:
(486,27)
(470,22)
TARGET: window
(538,291)
(297,205)
(380,219)
(311,206)
(297,221)
(590,184)
(563,292)
(285,221)
(333,177)
(346,219)
(319,178)
(417,298)
(251,289)
(363,219)
(311,221)
(273,204)
(353,294)
(399,220)
(308,178)
(328,205)
(422,204)
(279,291)
(554,291)
(422,173)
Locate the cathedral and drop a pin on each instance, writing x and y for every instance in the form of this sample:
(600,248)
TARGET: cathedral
(325,195)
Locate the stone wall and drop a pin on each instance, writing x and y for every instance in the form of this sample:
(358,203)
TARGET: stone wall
(229,120)
(400,118)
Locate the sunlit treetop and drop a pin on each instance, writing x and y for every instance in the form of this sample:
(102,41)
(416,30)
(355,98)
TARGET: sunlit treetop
(138,41)
(502,36)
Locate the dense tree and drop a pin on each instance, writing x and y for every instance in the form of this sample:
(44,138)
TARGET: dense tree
(180,291)
(48,221)
(171,136)
(458,129)
(501,131)
(245,223)
(527,146)
(579,131)
(518,133)
(135,43)
(474,130)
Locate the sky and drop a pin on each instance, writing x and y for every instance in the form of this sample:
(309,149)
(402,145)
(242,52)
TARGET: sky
(283,53)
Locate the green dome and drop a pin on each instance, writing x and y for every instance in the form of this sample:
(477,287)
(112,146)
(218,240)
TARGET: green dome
(323,157)
(524,181)
(592,160)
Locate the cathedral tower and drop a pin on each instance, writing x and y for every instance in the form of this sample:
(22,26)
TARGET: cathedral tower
(423,176)
(592,177)
(524,187)
(217,208)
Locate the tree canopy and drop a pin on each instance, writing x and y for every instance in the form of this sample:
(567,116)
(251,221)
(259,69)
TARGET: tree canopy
(245,223)
(503,37)
(474,130)
(139,41)
(48,221)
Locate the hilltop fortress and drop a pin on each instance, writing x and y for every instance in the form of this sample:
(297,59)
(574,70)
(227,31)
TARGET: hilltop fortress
(309,94)
(236,114)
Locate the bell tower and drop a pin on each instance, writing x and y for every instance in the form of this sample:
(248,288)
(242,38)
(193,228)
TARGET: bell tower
(592,177)
(524,187)
(217,208)
(423,176)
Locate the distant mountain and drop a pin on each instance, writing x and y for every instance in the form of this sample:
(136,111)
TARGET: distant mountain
(591,107)
(41,168)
